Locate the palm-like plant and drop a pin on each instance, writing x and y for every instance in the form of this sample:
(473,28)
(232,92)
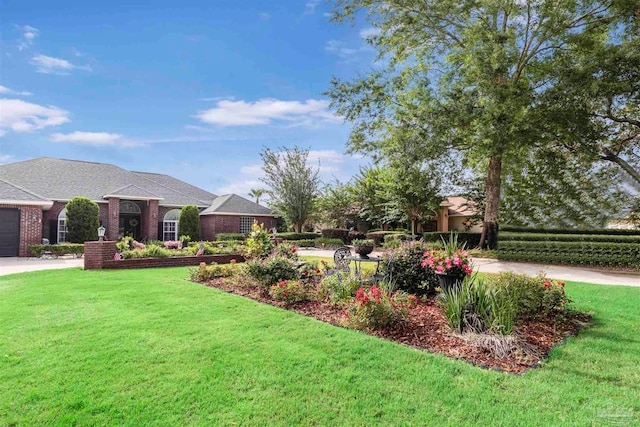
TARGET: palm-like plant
(257,193)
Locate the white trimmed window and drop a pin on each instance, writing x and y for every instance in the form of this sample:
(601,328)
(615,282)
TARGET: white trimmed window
(245,224)
(170,225)
(62,226)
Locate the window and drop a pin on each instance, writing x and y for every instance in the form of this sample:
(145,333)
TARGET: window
(62,226)
(245,224)
(170,225)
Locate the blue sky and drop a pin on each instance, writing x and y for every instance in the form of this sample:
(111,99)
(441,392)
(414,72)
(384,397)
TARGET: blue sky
(194,89)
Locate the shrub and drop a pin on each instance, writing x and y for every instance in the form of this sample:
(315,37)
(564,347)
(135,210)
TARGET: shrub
(298,236)
(229,236)
(301,243)
(76,249)
(286,250)
(476,307)
(363,242)
(378,236)
(189,222)
(339,287)
(609,231)
(407,271)
(289,291)
(536,297)
(375,308)
(326,242)
(469,240)
(581,253)
(310,275)
(206,272)
(353,235)
(82,220)
(533,237)
(259,243)
(400,237)
(271,270)
(125,244)
(336,233)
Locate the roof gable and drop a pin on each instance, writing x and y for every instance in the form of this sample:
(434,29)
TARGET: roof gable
(234,204)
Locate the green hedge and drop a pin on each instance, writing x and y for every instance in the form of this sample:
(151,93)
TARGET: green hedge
(605,231)
(304,243)
(510,236)
(76,249)
(471,240)
(378,236)
(229,236)
(581,253)
(298,236)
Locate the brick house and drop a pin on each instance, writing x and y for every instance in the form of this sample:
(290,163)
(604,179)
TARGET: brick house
(34,193)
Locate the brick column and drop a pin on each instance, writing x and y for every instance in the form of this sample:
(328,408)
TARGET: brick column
(30,228)
(150,220)
(96,253)
(113,223)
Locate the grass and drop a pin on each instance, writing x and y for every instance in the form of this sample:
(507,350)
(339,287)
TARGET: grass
(145,347)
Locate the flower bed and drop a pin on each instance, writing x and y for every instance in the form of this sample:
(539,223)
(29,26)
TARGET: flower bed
(426,328)
(182,261)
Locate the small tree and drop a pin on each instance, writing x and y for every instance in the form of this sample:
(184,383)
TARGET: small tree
(257,193)
(82,220)
(293,185)
(189,222)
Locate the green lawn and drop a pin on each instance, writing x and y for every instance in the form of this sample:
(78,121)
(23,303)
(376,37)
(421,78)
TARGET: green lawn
(145,347)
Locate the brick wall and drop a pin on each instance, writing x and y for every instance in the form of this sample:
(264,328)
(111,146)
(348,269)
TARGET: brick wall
(210,225)
(113,219)
(99,255)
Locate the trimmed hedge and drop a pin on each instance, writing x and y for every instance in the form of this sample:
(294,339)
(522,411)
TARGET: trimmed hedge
(536,237)
(471,240)
(229,236)
(378,236)
(76,249)
(580,253)
(304,243)
(298,236)
(605,231)
(326,242)
(336,233)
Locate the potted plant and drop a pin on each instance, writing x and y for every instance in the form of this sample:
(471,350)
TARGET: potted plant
(363,247)
(450,264)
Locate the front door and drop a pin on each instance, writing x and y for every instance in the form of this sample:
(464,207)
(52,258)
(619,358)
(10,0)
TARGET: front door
(130,225)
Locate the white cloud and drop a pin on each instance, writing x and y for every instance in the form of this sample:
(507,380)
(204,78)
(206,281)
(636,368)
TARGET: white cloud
(310,7)
(28,34)
(332,156)
(7,91)
(267,111)
(252,170)
(88,138)
(242,188)
(366,33)
(264,16)
(20,116)
(50,65)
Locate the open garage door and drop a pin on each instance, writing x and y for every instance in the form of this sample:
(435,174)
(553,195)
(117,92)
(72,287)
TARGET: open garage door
(9,232)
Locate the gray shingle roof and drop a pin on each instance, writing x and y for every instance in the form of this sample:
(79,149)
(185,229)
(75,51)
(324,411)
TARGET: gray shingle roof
(180,186)
(134,192)
(234,204)
(10,191)
(62,179)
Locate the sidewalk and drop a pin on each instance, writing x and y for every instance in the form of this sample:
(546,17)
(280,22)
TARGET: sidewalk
(560,272)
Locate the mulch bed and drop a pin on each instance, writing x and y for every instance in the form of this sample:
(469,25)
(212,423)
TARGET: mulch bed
(427,329)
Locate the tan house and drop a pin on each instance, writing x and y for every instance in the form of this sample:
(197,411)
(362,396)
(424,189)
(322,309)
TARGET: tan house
(454,215)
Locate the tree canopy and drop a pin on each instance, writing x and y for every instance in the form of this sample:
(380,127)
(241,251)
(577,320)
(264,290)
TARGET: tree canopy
(82,220)
(293,185)
(471,77)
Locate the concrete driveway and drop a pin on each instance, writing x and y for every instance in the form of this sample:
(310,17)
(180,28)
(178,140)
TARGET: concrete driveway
(20,265)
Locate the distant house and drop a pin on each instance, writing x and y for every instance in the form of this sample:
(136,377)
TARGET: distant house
(456,215)
(33,195)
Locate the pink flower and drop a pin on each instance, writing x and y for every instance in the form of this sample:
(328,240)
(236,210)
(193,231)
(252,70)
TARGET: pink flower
(457,261)
(439,269)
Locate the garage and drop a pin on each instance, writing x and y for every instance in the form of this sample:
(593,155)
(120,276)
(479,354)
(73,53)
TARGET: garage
(9,232)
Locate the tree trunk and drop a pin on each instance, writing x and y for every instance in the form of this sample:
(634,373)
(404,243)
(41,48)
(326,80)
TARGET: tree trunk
(489,237)
(298,227)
